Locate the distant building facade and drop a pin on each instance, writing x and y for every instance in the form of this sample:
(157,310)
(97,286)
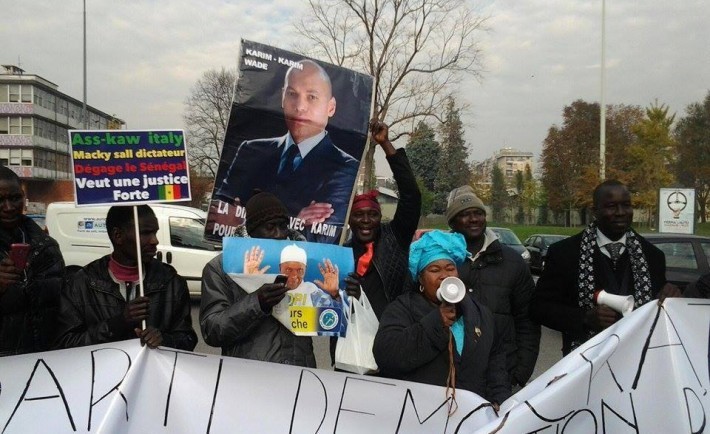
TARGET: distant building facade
(35,118)
(508,160)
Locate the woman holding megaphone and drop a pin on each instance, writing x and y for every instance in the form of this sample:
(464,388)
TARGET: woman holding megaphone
(427,339)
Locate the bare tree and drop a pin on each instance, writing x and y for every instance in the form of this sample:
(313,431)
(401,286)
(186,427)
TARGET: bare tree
(206,116)
(417,51)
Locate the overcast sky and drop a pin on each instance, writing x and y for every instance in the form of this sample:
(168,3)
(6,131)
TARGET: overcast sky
(540,55)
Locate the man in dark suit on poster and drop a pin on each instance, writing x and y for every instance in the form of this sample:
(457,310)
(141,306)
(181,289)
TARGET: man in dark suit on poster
(312,176)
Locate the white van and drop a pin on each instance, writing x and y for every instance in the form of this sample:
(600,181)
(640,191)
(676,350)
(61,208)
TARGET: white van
(82,237)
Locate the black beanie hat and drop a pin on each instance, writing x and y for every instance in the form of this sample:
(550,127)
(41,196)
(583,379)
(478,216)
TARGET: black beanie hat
(263,207)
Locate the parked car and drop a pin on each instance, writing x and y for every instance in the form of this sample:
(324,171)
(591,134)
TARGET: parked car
(537,245)
(508,238)
(686,256)
(82,237)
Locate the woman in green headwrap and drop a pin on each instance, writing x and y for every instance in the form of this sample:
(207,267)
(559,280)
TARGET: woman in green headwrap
(426,340)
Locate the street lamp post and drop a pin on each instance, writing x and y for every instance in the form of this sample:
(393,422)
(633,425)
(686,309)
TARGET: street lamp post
(84,113)
(602,105)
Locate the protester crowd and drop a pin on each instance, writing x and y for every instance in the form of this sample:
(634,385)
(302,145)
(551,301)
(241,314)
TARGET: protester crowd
(485,341)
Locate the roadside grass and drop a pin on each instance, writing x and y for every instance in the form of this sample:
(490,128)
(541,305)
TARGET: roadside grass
(524,231)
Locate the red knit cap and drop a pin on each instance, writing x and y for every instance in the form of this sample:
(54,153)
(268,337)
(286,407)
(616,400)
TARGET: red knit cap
(366,200)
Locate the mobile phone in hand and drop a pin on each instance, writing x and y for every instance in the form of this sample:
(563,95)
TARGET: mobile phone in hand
(281,278)
(19,253)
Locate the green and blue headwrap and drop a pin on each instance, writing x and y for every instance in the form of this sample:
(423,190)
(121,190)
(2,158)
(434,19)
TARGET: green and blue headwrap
(435,245)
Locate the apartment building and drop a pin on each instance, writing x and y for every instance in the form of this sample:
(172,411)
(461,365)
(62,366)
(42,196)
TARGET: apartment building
(508,160)
(34,121)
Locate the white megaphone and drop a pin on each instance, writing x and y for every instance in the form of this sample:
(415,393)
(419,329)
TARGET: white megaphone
(623,304)
(451,290)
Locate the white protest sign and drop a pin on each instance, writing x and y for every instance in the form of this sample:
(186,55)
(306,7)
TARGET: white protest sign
(646,374)
(123,388)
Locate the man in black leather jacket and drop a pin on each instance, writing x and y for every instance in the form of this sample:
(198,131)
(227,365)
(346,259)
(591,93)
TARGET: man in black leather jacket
(29,297)
(100,303)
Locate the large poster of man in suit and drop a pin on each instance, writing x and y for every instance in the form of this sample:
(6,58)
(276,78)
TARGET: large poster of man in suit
(298,129)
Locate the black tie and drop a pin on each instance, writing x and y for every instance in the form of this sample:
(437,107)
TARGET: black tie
(614,250)
(289,158)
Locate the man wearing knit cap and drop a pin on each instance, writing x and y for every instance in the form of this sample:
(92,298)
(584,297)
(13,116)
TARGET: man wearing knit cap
(240,323)
(381,250)
(497,277)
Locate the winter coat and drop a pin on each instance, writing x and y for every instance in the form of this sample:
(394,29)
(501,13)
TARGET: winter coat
(556,302)
(500,279)
(388,275)
(412,344)
(232,319)
(28,309)
(91,307)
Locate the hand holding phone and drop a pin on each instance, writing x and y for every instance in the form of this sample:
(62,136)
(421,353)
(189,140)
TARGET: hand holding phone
(19,253)
(281,278)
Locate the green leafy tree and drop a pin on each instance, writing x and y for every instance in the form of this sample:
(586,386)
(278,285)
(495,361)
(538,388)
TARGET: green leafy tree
(570,154)
(693,167)
(653,157)
(566,151)
(453,169)
(427,198)
(424,151)
(519,184)
(499,194)
(530,193)
(543,209)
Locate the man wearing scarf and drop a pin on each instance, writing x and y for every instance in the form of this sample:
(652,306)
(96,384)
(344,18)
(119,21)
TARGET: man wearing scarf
(102,302)
(608,255)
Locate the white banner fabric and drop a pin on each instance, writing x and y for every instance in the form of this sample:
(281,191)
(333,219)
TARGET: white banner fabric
(648,374)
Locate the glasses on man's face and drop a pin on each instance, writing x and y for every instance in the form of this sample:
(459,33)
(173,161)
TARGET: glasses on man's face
(12,198)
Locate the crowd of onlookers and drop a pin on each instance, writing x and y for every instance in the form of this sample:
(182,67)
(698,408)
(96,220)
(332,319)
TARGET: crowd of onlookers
(487,342)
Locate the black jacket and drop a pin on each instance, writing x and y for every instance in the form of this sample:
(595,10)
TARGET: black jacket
(412,344)
(501,280)
(28,310)
(232,319)
(555,304)
(91,307)
(388,275)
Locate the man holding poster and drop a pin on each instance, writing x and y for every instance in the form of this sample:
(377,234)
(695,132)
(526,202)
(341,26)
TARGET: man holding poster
(312,176)
(102,302)
(241,323)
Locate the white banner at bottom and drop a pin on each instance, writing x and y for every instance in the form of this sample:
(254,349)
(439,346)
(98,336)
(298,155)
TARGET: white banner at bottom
(648,374)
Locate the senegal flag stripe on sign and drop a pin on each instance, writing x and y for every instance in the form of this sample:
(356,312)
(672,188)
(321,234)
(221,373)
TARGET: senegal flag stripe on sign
(169,192)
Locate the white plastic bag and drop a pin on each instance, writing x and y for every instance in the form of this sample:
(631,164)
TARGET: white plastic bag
(353,353)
